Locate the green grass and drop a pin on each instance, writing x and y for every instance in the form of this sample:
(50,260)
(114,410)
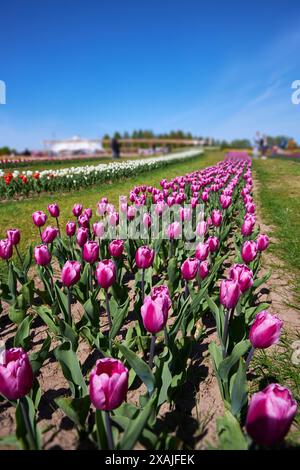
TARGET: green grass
(279,200)
(17,214)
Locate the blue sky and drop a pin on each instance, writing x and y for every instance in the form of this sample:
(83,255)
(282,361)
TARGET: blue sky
(214,68)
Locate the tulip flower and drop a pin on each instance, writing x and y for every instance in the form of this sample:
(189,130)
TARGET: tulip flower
(16,376)
(203,269)
(14,236)
(164,293)
(262,242)
(90,252)
(39,219)
(249,251)
(88,212)
(54,212)
(216,217)
(6,249)
(98,229)
(77,210)
(106,275)
(42,255)
(49,234)
(70,275)
(201,228)
(247,228)
(202,251)
(116,248)
(225,201)
(83,221)
(213,244)
(243,275)
(147,220)
(144,258)
(70,228)
(270,415)
(229,296)
(189,269)
(108,389)
(173,230)
(82,236)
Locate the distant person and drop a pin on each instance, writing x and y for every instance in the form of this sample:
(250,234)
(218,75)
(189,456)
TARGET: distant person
(264,147)
(115,147)
(283,143)
(256,145)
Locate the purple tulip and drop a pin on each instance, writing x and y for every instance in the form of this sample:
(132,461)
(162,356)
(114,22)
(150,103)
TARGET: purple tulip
(83,221)
(70,228)
(77,210)
(202,251)
(90,252)
(154,314)
(243,275)
(247,227)
(70,273)
(229,293)
(16,376)
(270,415)
(88,212)
(189,268)
(265,330)
(173,230)
(6,249)
(108,384)
(225,201)
(42,255)
(249,251)
(116,248)
(262,242)
(82,236)
(39,218)
(201,228)
(203,269)
(144,257)
(49,234)
(213,244)
(98,229)
(54,210)
(216,217)
(14,236)
(106,273)
(164,293)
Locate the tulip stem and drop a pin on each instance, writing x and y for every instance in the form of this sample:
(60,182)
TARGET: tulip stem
(151,354)
(57,223)
(110,439)
(18,253)
(41,234)
(108,309)
(24,412)
(143,285)
(69,306)
(186,289)
(166,336)
(249,357)
(225,334)
(91,277)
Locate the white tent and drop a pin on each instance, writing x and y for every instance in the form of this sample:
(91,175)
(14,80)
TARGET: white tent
(74,145)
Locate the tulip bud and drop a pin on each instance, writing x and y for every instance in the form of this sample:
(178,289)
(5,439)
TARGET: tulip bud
(247,227)
(201,228)
(225,201)
(270,415)
(90,252)
(54,210)
(49,234)
(101,207)
(203,269)
(106,273)
(6,249)
(265,330)
(88,212)
(173,230)
(213,244)
(131,212)
(16,376)
(249,251)
(14,236)
(77,210)
(39,218)
(189,269)
(70,273)
(144,257)
(108,384)
(202,251)
(164,293)
(83,221)
(229,293)
(243,275)
(205,196)
(262,242)
(154,314)
(70,228)
(147,220)
(82,236)
(116,248)
(98,229)
(42,255)
(216,217)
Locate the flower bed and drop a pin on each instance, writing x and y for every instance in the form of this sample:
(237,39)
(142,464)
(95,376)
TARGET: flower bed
(132,288)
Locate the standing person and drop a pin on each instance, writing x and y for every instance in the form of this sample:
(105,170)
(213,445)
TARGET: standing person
(264,147)
(256,139)
(115,147)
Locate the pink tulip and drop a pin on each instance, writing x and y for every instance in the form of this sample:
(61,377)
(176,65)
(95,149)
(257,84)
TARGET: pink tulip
(131,212)
(202,251)
(247,228)
(39,218)
(213,244)
(116,248)
(82,236)
(243,275)
(173,230)
(16,376)
(204,196)
(144,257)
(98,229)
(164,294)
(147,220)
(189,269)
(42,255)
(83,221)
(203,269)
(262,242)
(70,273)
(88,212)
(201,228)
(14,236)
(90,252)
(265,330)
(54,210)
(154,314)
(225,201)
(185,214)
(216,217)
(113,218)
(77,210)
(108,384)
(229,293)
(6,249)
(101,207)
(106,273)
(249,251)
(70,228)
(49,234)
(270,415)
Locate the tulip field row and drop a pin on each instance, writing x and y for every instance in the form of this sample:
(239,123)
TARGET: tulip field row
(29,182)
(123,296)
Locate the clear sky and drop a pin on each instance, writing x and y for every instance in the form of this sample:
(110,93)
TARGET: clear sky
(88,67)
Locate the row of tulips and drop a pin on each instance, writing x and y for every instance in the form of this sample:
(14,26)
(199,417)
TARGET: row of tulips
(67,179)
(141,302)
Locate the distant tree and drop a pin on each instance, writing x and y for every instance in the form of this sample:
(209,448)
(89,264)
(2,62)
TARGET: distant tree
(5,150)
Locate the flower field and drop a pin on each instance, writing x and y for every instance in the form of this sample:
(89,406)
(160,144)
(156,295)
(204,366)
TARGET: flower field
(105,317)
(24,183)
